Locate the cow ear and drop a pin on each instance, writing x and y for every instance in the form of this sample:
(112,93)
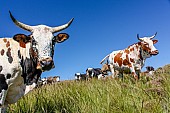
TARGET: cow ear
(21,38)
(139,43)
(155,41)
(61,37)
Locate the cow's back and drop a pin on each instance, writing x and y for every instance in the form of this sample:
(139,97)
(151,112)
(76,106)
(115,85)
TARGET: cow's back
(12,52)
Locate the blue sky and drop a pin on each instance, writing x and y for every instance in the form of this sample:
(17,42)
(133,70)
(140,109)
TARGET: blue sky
(99,27)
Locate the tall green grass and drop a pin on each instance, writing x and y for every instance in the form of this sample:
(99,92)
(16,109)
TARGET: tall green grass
(98,96)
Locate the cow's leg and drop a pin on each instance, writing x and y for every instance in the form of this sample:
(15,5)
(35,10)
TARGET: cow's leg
(138,73)
(120,75)
(2,101)
(112,71)
(3,109)
(3,90)
(132,69)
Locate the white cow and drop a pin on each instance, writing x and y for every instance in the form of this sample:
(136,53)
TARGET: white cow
(23,58)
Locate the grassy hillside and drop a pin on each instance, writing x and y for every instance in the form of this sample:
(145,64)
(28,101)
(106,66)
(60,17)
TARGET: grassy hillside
(99,96)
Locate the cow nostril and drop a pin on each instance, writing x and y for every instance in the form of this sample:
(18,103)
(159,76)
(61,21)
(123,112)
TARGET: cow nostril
(48,62)
(42,62)
(157,51)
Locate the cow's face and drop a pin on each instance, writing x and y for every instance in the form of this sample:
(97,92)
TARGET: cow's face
(105,68)
(42,50)
(42,42)
(77,76)
(147,45)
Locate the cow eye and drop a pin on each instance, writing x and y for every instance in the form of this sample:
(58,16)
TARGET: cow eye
(34,41)
(146,45)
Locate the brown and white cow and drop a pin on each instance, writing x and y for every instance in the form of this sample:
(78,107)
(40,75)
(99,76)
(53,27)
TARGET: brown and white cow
(23,58)
(133,57)
(53,80)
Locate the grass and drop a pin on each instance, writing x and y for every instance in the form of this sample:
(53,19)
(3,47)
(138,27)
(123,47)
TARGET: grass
(98,96)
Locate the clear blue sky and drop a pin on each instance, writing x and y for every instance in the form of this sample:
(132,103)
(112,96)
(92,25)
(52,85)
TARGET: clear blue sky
(99,27)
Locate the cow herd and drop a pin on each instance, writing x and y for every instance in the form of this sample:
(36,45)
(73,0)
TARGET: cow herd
(48,80)
(105,73)
(23,58)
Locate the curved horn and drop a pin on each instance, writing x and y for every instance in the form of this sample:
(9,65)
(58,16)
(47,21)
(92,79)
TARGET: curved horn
(138,37)
(62,27)
(153,36)
(19,24)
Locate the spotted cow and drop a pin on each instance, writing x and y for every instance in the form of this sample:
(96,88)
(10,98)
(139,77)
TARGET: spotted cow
(80,76)
(149,73)
(23,58)
(94,73)
(133,57)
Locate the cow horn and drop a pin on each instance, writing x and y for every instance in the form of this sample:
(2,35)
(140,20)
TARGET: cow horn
(62,27)
(153,36)
(138,37)
(19,24)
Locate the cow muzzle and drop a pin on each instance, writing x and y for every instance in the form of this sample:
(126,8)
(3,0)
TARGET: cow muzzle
(45,64)
(155,52)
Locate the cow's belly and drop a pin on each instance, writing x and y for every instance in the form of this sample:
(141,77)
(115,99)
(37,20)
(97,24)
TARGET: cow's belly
(16,86)
(124,68)
(15,92)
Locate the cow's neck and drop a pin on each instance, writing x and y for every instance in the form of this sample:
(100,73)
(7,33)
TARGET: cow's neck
(137,52)
(142,54)
(28,63)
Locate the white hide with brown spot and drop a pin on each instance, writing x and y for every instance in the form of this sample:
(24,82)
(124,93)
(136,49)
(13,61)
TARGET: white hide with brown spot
(133,57)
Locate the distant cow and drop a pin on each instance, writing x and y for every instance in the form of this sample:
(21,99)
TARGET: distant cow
(149,73)
(44,80)
(80,76)
(94,73)
(39,83)
(24,57)
(56,79)
(106,68)
(150,70)
(133,57)
(48,80)
(52,80)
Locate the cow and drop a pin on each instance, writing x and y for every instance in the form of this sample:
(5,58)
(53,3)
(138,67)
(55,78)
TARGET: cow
(52,80)
(80,76)
(94,73)
(105,67)
(44,80)
(133,57)
(39,83)
(24,57)
(149,73)
(56,79)
(150,70)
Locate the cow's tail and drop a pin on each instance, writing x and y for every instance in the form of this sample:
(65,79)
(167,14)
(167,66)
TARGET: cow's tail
(105,58)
